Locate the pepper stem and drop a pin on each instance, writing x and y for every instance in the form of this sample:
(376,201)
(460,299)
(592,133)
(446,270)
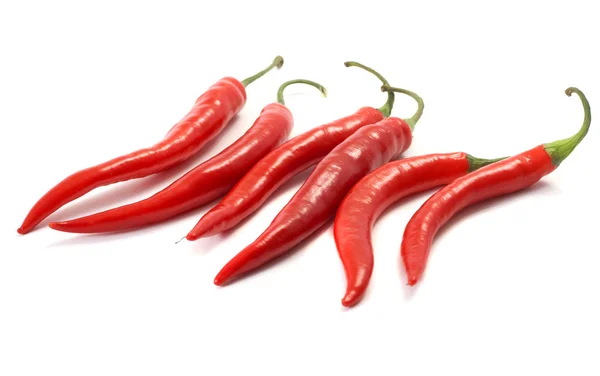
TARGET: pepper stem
(291,82)
(477,163)
(412,121)
(277,63)
(560,150)
(386,109)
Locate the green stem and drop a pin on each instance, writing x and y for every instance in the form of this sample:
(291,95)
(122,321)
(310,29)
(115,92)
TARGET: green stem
(412,121)
(386,109)
(560,150)
(307,82)
(277,63)
(477,163)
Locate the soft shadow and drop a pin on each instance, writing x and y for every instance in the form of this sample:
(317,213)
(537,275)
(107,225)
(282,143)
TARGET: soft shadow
(490,204)
(289,254)
(85,239)
(484,206)
(147,185)
(408,291)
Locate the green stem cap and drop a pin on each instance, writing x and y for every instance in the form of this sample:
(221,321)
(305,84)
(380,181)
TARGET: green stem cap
(386,109)
(477,163)
(277,63)
(560,150)
(412,121)
(291,82)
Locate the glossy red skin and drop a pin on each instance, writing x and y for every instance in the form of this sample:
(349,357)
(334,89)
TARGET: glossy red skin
(279,166)
(374,193)
(210,114)
(206,182)
(507,176)
(318,198)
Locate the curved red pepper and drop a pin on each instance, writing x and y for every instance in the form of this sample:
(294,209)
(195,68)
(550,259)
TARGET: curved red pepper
(212,111)
(318,198)
(202,184)
(294,156)
(510,175)
(374,193)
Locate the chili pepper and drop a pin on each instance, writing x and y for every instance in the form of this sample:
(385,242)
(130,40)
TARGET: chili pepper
(283,163)
(318,198)
(211,112)
(500,178)
(374,193)
(204,183)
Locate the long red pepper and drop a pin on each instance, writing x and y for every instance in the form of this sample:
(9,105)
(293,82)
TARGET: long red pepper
(500,178)
(202,184)
(318,198)
(211,112)
(373,194)
(283,163)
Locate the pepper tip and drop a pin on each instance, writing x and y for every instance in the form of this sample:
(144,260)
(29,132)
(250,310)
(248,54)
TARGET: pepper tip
(350,299)
(61,226)
(224,276)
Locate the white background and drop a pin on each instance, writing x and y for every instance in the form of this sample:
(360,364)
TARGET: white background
(511,288)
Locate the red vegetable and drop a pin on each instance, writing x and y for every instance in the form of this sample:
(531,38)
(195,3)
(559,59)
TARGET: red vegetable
(204,183)
(211,113)
(318,198)
(376,192)
(279,166)
(510,175)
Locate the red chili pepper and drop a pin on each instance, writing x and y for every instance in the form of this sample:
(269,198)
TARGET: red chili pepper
(211,113)
(283,163)
(510,175)
(318,198)
(376,192)
(204,183)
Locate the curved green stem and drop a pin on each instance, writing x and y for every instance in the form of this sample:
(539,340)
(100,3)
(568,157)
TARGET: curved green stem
(291,82)
(386,109)
(477,163)
(412,121)
(560,150)
(277,63)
